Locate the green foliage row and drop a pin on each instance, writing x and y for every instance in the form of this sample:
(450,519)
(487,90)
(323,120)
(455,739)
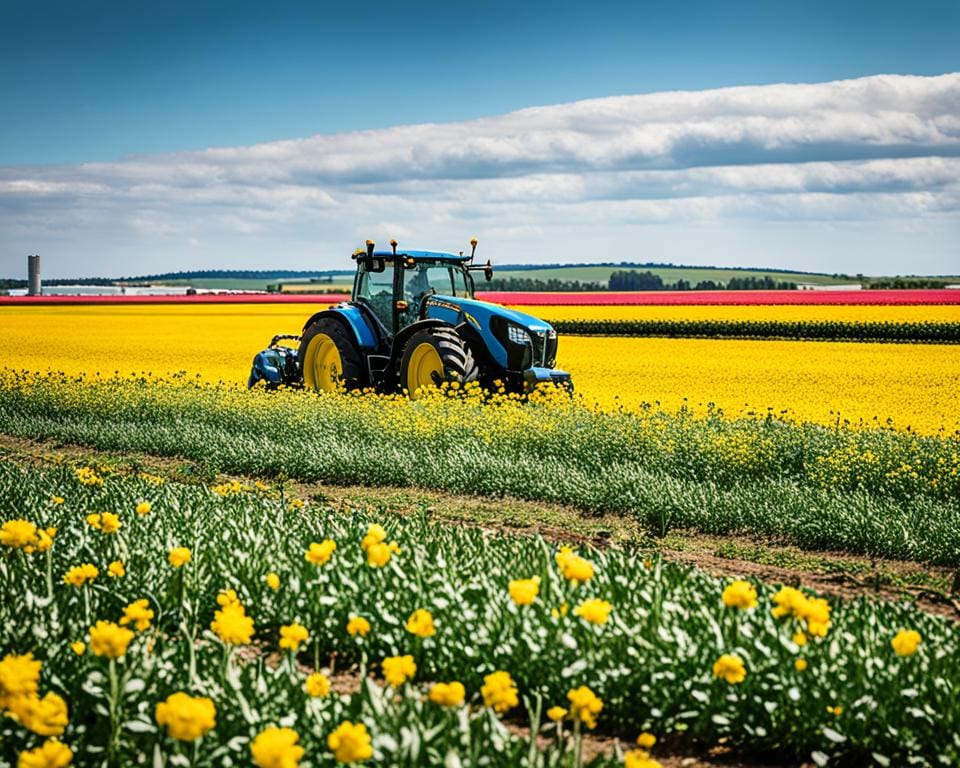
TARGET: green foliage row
(807,330)
(868,491)
(651,662)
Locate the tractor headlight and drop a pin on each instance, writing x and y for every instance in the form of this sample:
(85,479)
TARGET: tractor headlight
(518,335)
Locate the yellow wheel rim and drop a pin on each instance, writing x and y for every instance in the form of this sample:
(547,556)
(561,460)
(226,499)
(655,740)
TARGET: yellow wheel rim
(424,362)
(322,366)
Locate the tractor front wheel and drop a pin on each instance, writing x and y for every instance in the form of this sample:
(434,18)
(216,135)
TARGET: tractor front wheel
(433,357)
(329,360)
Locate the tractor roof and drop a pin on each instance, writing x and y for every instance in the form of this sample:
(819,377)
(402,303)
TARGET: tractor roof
(424,255)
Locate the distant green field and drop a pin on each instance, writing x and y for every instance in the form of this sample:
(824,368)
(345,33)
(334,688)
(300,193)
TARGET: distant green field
(693,275)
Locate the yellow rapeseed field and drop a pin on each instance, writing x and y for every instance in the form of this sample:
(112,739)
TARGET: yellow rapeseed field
(914,385)
(788,313)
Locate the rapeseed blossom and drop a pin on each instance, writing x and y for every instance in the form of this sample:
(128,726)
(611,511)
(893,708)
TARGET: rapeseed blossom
(179,556)
(593,610)
(524,591)
(572,566)
(292,636)
(398,669)
(18,534)
(906,642)
(137,613)
(320,554)
(740,594)
(730,667)
(499,691)
(357,625)
(232,625)
(81,574)
(273,581)
(50,754)
(116,570)
(350,743)
(421,624)
(186,717)
(448,694)
(585,705)
(317,685)
(276,748)
(109,639)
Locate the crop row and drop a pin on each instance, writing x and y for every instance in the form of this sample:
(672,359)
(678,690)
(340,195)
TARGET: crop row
(120,586)
(819,330)
(874,491)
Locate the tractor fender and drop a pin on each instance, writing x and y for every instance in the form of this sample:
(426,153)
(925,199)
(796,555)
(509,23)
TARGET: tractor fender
(353,322)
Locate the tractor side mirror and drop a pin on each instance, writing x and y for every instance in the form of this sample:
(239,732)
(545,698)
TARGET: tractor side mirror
(371,264)
(488,271)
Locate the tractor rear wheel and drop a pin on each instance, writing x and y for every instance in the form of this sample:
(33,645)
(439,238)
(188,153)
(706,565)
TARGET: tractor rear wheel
(433,357)
(329,360)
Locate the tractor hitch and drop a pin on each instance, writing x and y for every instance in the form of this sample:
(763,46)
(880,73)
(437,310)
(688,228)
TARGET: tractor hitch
(277,364)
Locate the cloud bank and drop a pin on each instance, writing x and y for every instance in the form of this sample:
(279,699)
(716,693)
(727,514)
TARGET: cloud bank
(856,175)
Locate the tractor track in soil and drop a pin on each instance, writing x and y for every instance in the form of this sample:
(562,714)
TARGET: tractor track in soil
(836,574)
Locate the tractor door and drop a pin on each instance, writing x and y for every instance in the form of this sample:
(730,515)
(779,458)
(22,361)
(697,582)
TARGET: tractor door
(375,290)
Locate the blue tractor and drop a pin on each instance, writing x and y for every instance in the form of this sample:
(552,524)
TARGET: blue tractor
(413,323)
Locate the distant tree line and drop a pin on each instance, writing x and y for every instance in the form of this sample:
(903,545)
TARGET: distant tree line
(8,284)
(629,280)
(535,285)
(904,282)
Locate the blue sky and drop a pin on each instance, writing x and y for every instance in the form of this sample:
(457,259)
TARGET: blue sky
(95,96)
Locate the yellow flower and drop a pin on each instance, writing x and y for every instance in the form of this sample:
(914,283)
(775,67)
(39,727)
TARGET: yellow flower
(109,639)
(57,499)
(81,574)
(448,694)
(646,740)
(740,594)
(556,714)
(45,717)
(800,665)
(639,758)
(375,535)
(398,669)
(730,667)
(559,612)
(835,711)
(593,610)
(137,613)
(814,612)
(574,567)
(292,636)
(232,625)
(499,691)
(273,581)
(800,638)
(19,677)
(584,705)
(116,570)
(18,533)
(228,597)
(79,647)
(186,717)
(906,642)
(420,623)
(179,556)
(87,476)
(524,591)
(44,540)
(320,554)
(276,748)
(143,508)
(350,743)
(50,754)
(357,625)
(106,522)
(378,555)
(317,685)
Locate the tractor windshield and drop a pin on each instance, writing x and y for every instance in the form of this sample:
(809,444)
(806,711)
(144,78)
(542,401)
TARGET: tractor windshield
(430,277)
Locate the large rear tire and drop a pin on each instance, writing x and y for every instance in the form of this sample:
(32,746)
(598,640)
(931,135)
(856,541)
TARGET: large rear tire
(329,360)
(433,357)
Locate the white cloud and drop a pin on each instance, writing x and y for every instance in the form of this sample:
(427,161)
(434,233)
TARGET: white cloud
(881,149)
